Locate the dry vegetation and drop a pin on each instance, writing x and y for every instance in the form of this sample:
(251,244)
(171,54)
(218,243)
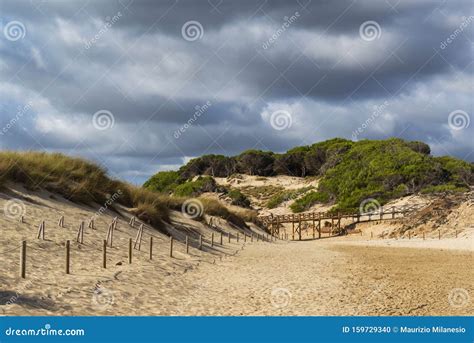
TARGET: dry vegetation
(83,182)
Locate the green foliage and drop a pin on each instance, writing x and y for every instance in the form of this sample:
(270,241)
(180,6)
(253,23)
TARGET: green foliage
(350,171)
(194,188)
(255,162)
(444,188)
(214,165)
(164,182)
(238,198)
(309,200)
(386,169)
(277,199)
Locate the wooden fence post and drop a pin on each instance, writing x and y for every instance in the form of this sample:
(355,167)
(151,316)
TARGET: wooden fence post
(439,234)
(237,237)
(151,247)
(171,246)
(129,251)
(187,245)
(23,260)
(222,242)
(68,256)
(104,254)
(212,239)
(456,233)
(409,235)
(80,233)
(200,242)
(251,237)
(41,230)
(228,236)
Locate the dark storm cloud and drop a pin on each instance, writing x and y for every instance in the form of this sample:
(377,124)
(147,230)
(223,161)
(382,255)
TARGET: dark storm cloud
(172,99)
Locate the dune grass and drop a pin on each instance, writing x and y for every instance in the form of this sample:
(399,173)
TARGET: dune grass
(84,182)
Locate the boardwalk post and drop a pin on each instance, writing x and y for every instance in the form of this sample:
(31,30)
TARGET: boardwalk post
(171,246)
(68,256)
(293,227)
(187,245)
(104,253)
(151,247)
(319,225)
(129,251)
(23,260)
(200,242)
(300,228)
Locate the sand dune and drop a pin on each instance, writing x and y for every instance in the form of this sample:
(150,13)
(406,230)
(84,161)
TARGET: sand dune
(349,275)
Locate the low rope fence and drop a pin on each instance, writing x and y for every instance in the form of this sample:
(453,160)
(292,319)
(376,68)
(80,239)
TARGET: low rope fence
(130,246)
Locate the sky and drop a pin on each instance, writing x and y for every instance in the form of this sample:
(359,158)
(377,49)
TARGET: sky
(144,86)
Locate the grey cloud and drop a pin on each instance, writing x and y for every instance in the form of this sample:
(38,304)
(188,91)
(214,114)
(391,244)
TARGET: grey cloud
(151,79)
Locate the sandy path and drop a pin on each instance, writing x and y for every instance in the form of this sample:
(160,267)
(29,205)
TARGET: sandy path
(322,278)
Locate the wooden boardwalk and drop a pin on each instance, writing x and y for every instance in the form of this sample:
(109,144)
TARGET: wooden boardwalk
(331,220)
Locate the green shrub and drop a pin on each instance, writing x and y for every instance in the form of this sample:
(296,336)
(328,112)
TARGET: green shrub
(238,198)
(283,196)
(165,182)
(309,200)
(194,188)
(444,189)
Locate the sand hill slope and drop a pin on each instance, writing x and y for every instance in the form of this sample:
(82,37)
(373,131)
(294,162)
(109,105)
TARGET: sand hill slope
(88,290)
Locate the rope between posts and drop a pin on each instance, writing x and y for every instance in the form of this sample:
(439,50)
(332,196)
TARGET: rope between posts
(10,250)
